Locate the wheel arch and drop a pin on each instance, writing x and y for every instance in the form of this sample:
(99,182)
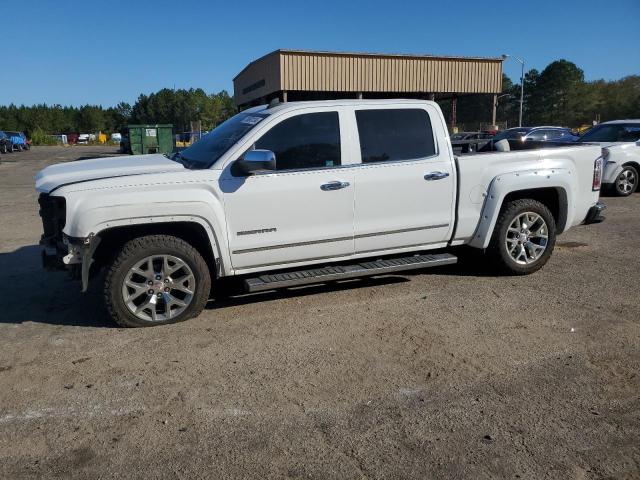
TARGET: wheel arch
(554,198)
(552,188)
(632,163)
(112,239)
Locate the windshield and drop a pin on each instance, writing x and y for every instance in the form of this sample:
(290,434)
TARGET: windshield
(511,134)
(206,151)
(618,132)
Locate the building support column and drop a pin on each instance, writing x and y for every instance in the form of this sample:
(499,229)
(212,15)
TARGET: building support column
(284,96)
(454,106)
(359,95)
(495,107)
(432,97)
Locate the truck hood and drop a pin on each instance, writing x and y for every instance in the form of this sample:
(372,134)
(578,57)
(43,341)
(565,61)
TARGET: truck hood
(61,174)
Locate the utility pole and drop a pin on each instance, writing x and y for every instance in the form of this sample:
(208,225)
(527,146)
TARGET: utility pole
(504,57)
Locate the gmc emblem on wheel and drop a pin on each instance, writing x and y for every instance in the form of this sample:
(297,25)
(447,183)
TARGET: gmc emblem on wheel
(262,230)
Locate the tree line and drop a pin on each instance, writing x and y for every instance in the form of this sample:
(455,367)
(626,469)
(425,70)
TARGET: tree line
(178,107)
(559,95)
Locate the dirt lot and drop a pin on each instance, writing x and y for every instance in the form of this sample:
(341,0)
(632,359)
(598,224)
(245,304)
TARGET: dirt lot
(447,373)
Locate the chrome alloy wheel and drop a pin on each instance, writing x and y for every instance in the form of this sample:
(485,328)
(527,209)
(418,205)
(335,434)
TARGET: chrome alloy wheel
(527,238)
(626,182)
(158,288)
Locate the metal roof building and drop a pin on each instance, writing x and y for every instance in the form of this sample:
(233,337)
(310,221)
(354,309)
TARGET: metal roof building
(292,75)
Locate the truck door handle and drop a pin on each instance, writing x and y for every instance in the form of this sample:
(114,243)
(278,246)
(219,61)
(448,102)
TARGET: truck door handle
(436,175)
(335,185)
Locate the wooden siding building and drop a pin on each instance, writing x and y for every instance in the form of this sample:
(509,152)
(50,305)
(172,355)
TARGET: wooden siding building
(292,75)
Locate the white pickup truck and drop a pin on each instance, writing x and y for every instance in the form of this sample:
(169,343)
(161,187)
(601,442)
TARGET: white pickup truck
(299,193)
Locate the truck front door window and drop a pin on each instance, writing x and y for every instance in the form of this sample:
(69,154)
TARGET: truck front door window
(310,140)
(389,135)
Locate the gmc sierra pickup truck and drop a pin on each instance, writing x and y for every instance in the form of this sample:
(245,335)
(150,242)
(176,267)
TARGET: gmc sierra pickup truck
(299,193)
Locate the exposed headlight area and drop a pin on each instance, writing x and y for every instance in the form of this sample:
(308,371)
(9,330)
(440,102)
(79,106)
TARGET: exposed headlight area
(53,212)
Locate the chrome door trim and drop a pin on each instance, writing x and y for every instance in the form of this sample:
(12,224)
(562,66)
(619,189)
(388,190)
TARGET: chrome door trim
(291,245)
(337,239)
(402,230)
(337,258)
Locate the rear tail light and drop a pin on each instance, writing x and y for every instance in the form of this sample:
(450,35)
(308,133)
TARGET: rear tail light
(597,172)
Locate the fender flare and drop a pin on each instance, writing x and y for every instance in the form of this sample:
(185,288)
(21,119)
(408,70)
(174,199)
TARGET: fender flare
(561,179)
(222,261)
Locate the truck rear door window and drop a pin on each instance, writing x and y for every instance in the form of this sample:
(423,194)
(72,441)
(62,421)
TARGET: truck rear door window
(310,140)
(394,134)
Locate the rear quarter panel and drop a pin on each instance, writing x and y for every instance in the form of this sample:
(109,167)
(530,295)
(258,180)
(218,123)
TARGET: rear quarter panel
(620,155)
(485,179)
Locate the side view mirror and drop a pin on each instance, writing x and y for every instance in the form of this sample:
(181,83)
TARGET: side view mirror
(257,160)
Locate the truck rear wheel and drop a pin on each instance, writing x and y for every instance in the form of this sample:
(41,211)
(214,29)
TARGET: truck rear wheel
(523,238)
(156,280)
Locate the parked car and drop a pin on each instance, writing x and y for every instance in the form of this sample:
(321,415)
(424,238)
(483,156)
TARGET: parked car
(539,134)
(622,165)
(19,140)
(621,168)
(616,131)
(116,137)
(83,139)
(6,145)
(269,195)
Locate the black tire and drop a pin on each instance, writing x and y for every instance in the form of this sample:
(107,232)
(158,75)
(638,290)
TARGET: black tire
(622,188)
(27,146)
(498,249)
(138,249)
(3,149)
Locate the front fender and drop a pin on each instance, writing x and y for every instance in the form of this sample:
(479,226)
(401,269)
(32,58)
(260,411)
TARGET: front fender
(90,213)
(560,179)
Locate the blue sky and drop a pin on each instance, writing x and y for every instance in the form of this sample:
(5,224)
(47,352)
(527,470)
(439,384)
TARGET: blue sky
(77,52)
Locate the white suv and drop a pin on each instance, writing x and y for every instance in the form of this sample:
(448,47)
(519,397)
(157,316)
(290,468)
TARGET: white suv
(622,157)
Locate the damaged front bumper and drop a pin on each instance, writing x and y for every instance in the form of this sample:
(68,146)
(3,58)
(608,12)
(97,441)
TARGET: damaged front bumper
(77,258)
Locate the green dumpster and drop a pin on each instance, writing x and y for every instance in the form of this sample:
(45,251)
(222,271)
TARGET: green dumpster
(151,139)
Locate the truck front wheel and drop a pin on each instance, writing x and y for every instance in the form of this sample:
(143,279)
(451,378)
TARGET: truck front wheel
(155,280)
(523,238)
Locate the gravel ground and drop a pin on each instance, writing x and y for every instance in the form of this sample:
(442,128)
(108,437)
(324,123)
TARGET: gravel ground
(448,373)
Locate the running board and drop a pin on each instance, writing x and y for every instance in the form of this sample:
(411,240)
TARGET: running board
(341,272)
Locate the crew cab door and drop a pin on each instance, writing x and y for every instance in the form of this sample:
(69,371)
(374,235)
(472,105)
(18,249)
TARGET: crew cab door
(303,210)
(405,195)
